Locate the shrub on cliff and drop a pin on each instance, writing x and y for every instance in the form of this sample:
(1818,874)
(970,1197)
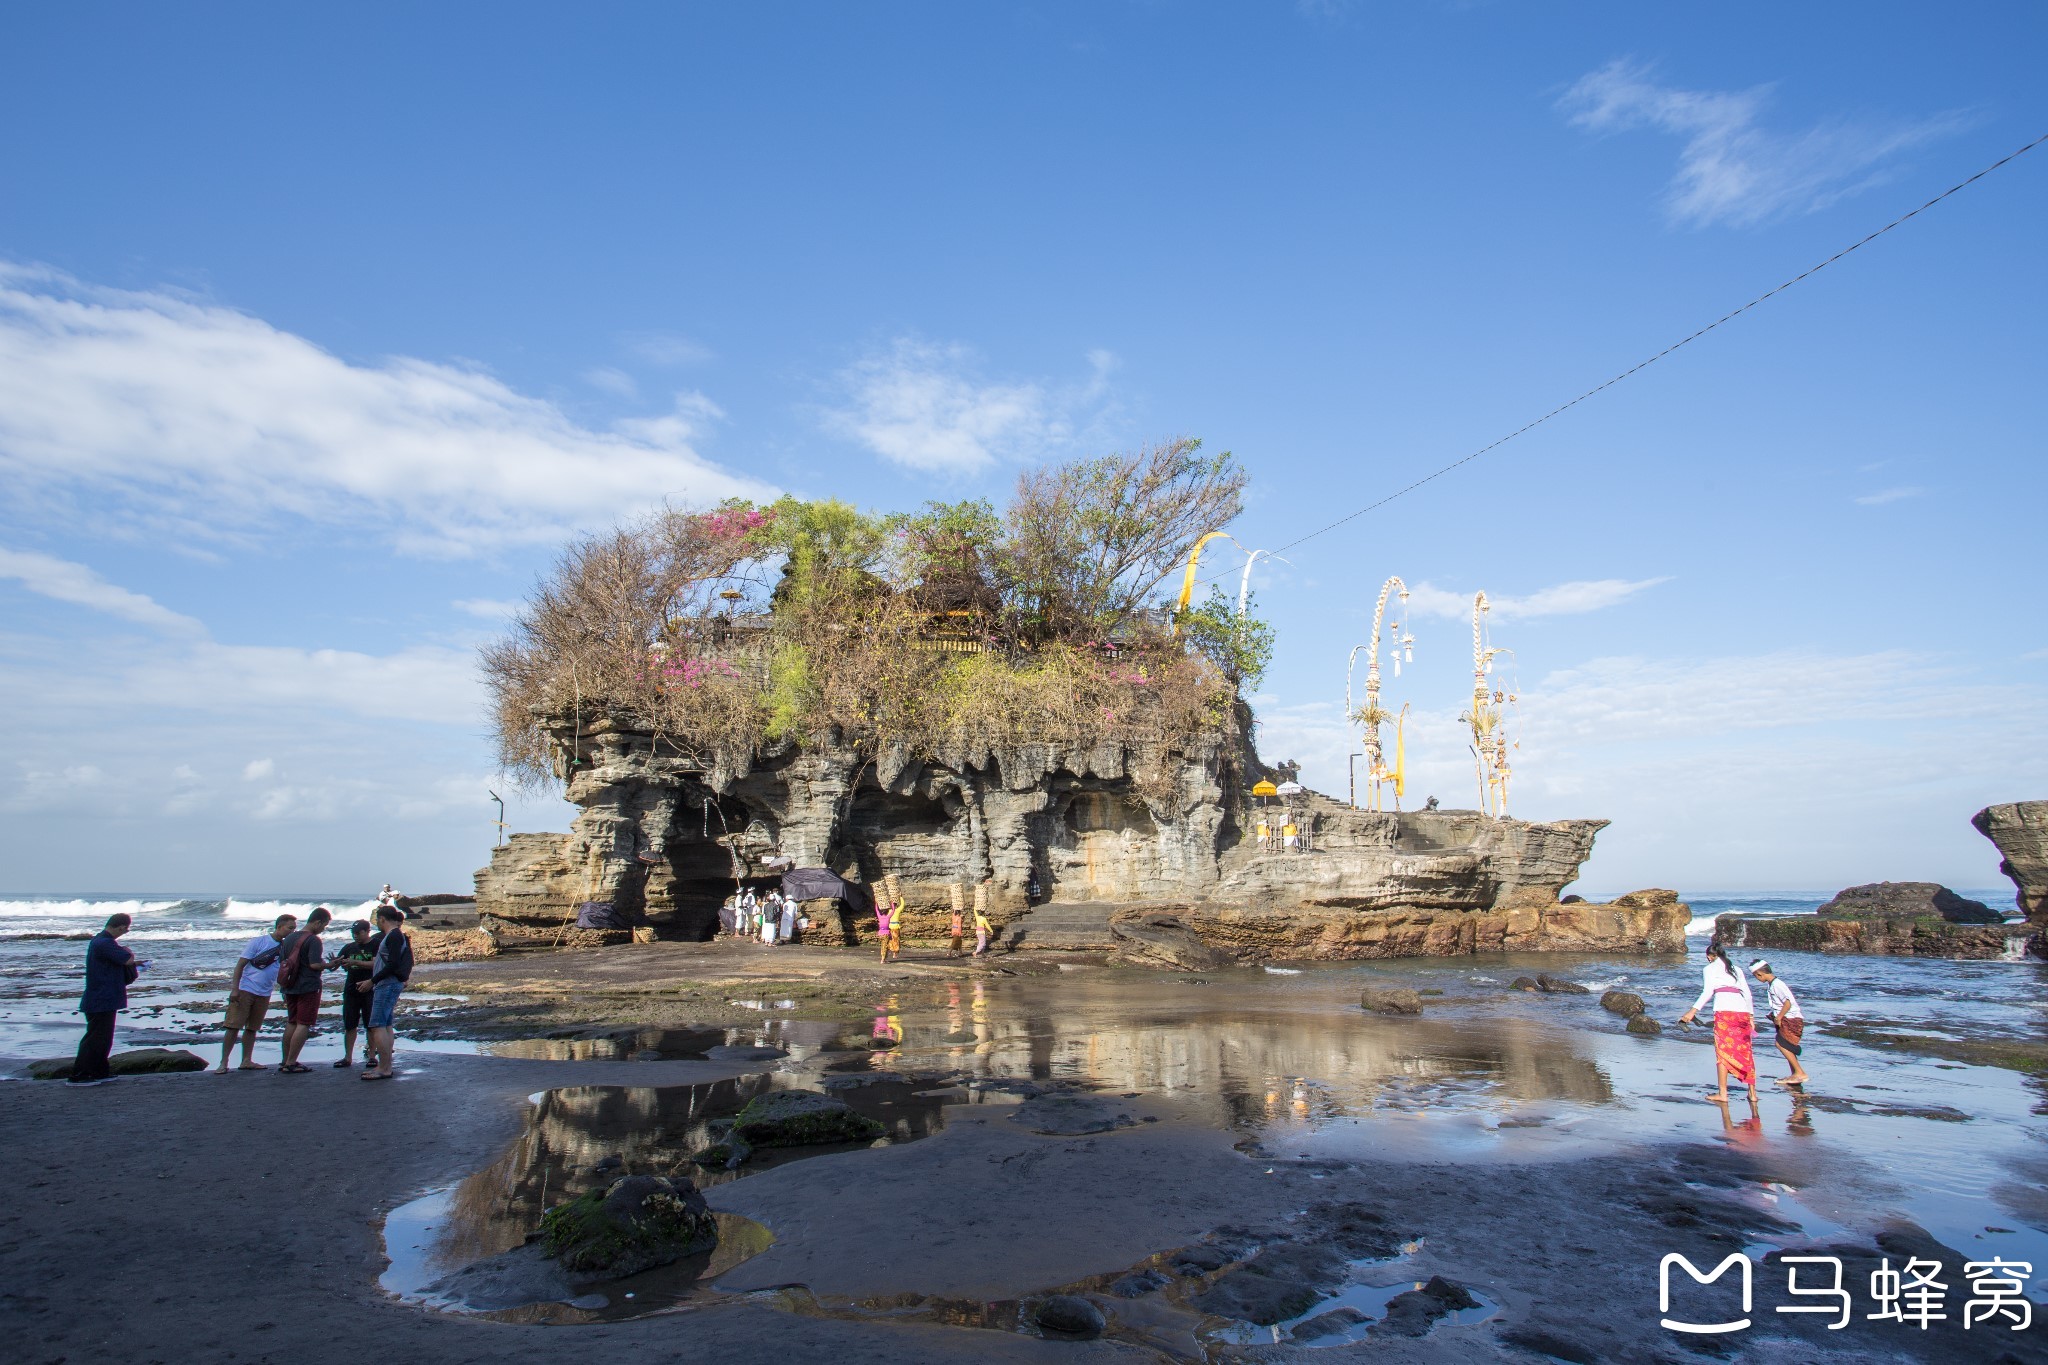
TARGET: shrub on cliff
(954,627)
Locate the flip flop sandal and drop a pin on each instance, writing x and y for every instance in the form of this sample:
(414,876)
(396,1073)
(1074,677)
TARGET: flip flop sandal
(374,1076)
(343,1065)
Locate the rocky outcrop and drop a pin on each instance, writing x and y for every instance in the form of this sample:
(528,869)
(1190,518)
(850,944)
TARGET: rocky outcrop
(1880,937)
(2019,830)
(664,835)
(1886,919)
(1907,900)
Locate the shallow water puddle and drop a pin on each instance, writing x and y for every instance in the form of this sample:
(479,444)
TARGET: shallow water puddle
(581,1138)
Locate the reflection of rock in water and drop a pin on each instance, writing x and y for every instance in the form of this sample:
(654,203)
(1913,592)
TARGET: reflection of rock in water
(1248,1058)
(581,1138)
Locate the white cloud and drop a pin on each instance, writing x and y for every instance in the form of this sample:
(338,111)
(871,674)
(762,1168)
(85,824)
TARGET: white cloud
(258,770)
(196,415)
(1564,599)
(926,407)
(63,581)
(666,348)
(1732,169)
(489,608)
(1885,495)
(612,381)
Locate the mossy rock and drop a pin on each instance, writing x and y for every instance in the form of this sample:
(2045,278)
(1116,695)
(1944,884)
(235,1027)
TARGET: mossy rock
(728,1155)
(1625,1003)
(1644,1026)
(141,1061)
(801,1118)
(635,1224)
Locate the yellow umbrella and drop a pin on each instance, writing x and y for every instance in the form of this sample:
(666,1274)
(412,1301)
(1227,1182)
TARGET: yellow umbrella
(1265,789)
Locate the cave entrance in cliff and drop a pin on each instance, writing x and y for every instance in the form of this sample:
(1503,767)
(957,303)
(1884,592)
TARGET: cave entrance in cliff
(1104,852)
(695,875)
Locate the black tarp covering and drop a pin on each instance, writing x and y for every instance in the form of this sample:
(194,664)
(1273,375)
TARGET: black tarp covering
(818,883)
(599,915)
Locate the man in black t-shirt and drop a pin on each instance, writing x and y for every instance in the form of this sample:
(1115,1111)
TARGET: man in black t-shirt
(354,959)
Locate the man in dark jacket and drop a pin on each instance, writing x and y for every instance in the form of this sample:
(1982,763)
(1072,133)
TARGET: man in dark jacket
(108,969)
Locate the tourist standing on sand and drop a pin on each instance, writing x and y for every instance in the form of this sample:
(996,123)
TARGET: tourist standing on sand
(1786,1018)
(959,931)
(390,969)
(1726,993)
(249,993)
(354,959)
(300,960)
(109,969)
(787,931)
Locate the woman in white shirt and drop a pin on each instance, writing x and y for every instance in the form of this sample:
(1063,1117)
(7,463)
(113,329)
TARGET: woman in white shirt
(1725,991)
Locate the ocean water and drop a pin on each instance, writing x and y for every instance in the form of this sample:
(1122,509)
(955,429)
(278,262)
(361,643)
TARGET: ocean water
(190,941)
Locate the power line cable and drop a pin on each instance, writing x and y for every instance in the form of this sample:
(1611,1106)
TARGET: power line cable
(1645,364)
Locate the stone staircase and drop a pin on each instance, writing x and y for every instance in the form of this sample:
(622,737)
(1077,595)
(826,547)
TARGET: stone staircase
(1074,927)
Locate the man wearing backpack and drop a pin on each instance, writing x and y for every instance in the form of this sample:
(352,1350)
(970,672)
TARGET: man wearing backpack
(300,960)
(389,971)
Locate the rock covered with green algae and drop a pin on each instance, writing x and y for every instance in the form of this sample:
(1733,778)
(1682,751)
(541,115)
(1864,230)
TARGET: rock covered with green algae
(801,1118)
(141,1061)
(636,1223)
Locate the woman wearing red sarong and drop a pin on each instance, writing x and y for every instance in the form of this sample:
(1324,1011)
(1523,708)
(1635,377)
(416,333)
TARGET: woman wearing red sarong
(1725,991)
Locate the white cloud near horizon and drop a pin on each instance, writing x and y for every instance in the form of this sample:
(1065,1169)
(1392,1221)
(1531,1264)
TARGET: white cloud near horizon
(1703,762)
(1563,599)
(191,413)
(1732,168)
(927,407)
(1885,495)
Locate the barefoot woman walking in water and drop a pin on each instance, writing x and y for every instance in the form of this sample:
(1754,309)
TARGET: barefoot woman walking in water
(1726,993)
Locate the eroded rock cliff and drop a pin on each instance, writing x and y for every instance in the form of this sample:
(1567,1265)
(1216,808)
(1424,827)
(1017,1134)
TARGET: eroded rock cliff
(664,835)
(2019,830)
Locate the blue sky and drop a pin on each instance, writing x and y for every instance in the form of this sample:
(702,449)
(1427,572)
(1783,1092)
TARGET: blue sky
(321,329)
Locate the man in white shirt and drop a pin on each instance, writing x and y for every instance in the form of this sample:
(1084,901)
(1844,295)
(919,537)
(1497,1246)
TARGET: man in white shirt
(249,992)
(1786,1018)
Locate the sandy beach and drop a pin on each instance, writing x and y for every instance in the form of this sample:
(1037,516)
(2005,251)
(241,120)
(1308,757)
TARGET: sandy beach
(1091,1130)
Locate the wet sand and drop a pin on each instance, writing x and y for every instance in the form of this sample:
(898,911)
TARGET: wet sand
(1521,1148)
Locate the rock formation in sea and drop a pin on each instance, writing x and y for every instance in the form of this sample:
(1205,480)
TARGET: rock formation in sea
(1897,919)
(2019,831)
(1131,846)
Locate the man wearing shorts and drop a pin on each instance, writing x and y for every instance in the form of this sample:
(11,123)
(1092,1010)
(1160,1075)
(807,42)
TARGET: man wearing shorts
(249,993)
(301,959)
(389,970)
(354,960)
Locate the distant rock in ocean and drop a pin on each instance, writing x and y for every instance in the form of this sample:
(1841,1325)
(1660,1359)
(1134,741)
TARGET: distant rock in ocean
(1908,900)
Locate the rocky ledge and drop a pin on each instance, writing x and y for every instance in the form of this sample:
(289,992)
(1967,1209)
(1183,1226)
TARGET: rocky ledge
(664,836)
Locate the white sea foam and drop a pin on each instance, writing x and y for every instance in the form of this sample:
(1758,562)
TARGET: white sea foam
(1701,924)
(266,911)
(1285,971)
(79,908)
